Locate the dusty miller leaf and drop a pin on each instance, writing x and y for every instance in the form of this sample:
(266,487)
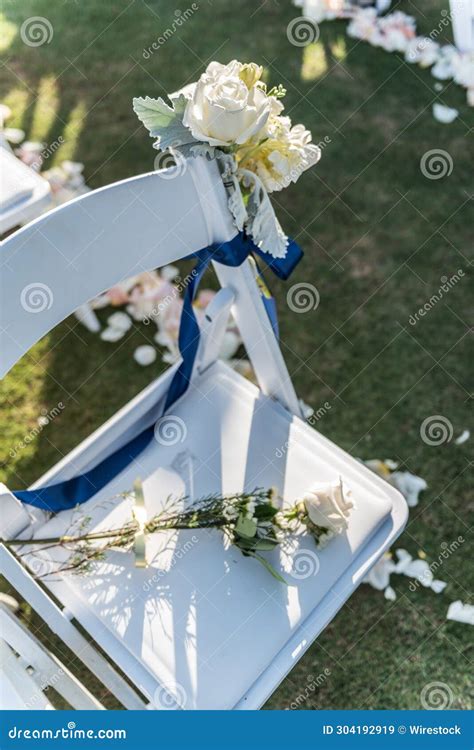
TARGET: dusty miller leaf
(164,122)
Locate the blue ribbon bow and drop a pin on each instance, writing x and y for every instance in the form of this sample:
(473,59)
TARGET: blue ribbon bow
(71,492)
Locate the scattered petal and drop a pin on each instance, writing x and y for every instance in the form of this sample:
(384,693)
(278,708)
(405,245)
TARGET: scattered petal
(112,334)
(10,602)
(404,559)
(390,594)
(409,485)
(306,410)
(144,355)
(444,114)
(421,571)
(168,273)
(438,586)
(121,321)
(463,437)
(378,467)
(460,612)
(379,575)
(14,135)
(438,86)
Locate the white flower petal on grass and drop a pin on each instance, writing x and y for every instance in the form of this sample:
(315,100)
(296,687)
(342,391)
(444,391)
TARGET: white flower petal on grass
(144,355)
(420,571)
(444,114)
(379,575)
(465,435)
(404,559)
(112,334)
(422,50)
(14,135)
(306,410)
(120,321)
(438,586)
(168,273)
(409,485)
(460,612)
(9,601)
(390,594)
(444,69)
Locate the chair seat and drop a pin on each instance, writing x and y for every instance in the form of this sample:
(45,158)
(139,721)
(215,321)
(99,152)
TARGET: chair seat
(202,625)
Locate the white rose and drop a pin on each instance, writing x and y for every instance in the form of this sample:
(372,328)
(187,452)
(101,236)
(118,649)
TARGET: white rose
(226,105)
(329,506)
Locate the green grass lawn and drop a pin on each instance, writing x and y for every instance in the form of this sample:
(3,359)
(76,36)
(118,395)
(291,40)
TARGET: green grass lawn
(378,237)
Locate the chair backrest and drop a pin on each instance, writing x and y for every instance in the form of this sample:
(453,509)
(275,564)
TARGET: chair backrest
(73,253)
(68,256)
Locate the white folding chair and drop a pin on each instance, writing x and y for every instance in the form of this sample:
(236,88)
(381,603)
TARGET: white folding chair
(24,194)
(28,669)
(462,19)
(202,626)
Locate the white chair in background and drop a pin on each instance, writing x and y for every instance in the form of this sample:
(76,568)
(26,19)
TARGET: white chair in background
(462,19)
(24,194)
(202,626)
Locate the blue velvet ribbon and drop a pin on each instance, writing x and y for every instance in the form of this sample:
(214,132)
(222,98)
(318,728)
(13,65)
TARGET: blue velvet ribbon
(71,492)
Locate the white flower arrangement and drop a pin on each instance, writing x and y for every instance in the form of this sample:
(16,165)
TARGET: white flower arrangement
(230,114)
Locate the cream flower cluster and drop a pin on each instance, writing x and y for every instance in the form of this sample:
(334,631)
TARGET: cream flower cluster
(230,107)
(230,115)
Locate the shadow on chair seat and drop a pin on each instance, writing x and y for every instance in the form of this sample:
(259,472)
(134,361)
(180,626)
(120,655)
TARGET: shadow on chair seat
(202,624)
